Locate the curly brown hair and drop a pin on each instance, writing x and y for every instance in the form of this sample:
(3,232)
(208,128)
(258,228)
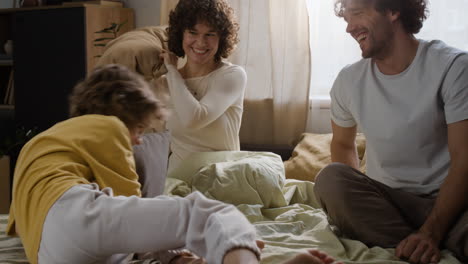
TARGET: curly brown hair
(216,13)
(412,12)
(114,90)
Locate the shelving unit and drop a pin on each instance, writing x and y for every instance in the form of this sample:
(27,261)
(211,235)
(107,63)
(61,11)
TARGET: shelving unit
(6,63)
(6,127)
(52,50)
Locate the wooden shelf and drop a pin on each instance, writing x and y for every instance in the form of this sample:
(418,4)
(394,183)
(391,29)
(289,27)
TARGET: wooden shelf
(43,75)
(7,114)
(6,62)
(7,107)
(98,3)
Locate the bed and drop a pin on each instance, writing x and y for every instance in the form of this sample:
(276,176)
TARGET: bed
(284,211)
(11,250)
(278,199)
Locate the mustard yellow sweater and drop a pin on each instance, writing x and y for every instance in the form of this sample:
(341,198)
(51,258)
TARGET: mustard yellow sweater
(81,150)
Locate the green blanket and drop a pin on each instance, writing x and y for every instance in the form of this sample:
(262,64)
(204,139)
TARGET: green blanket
(11,249)
(285,213)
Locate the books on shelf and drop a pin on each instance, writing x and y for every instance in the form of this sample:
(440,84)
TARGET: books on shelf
(94,2)
(5,60)
(9,97)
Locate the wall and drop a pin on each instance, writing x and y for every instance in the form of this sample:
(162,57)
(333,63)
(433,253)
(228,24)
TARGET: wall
(6,3)
(318,120)
(147,12)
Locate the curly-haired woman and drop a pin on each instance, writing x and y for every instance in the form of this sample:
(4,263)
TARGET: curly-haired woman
(206,94)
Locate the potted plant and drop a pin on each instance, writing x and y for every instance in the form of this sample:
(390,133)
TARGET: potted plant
(110,33)
(10,145)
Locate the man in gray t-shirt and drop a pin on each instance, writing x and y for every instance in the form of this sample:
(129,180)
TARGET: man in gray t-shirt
(410,99)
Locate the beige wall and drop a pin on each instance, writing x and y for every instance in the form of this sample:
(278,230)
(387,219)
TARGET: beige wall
(6,3)
(147,12)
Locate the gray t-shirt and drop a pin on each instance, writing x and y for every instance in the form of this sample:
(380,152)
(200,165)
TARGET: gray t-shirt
(404,117)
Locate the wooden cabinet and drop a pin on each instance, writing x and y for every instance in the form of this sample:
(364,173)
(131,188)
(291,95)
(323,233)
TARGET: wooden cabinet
(6,69)
(6,110)
(53,49)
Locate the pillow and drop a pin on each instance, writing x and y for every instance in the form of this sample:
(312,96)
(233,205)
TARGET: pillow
(235,177)
(258,177)
(151,158)
(139,50)
(312,153)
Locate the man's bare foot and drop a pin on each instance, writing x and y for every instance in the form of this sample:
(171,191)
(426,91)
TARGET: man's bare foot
(260,244)
(312,256)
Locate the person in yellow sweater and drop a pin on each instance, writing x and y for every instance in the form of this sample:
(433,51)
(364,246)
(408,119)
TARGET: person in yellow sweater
(76,196)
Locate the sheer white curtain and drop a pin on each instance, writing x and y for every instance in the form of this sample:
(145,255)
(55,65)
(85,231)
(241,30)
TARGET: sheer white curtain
(274,50)
(333,48)
(447,21)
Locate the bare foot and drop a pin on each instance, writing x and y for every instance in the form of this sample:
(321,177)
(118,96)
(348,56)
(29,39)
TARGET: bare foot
(260,244)
(312,256)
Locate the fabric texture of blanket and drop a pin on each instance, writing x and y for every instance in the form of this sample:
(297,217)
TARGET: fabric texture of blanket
(285,212)
(312,153)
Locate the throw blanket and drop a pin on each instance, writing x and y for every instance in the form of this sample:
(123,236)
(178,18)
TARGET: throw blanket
(11,249)
(285,213)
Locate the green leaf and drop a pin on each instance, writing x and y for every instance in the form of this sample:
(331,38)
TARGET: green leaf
(13,143)
(101,39)
(112,27)
(120,26)
(104,31)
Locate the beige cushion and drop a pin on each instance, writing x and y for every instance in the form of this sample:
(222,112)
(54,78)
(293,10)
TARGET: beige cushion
(139,50)
(312,153)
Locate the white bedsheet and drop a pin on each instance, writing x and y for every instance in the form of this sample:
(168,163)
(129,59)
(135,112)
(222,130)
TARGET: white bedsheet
(285,213)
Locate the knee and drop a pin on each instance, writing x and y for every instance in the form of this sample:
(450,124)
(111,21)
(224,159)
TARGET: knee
(329,178)
(330,182)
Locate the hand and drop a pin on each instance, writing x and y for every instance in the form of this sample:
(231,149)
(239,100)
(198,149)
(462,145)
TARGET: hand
(168,57)
(311,257)
(419,248)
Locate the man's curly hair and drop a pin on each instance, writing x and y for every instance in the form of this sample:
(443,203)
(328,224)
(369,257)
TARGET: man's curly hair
(412,12)
(216,13)
(114,90)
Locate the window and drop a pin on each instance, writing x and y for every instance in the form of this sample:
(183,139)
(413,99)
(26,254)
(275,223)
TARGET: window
(332,48)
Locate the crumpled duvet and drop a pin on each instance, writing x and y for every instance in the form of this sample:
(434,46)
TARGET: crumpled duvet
(286,214)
